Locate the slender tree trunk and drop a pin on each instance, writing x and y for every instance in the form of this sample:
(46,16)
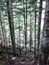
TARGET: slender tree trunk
(19,38)
(26,28)
(39,25)
(2,25)
(46,35)
(35,29)
(24,20)
(19,33)
(30,33)
(3,31)
(11,23)
(25,23)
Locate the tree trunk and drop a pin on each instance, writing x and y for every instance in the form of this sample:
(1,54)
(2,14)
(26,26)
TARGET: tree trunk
(3,32)
(45,44)
(30,33)
(35,29)
(39,25)
(26,28)
(11,23)
(25,24)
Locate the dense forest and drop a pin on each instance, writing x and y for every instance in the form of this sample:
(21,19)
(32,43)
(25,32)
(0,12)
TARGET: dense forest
(24,32)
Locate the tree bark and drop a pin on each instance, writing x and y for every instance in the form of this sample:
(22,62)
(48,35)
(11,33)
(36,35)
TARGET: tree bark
(30,32)
(11,23)
(39,26)
(45,44)
(25,25)
(3,31)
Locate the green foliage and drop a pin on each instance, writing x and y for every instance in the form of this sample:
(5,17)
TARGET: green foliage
(2,52)
(1,64)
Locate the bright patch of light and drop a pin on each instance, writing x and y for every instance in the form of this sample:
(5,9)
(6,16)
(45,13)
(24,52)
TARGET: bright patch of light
(38,0)
(27,45)
(43,15)
(42,23)
(14,3)
(7,27)
(13,58)
(44,4)
(21,44)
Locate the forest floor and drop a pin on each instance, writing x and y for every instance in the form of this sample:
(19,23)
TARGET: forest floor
(18,61)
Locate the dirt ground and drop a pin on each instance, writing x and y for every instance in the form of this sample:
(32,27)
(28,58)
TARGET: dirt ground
(18,61)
